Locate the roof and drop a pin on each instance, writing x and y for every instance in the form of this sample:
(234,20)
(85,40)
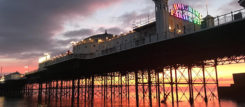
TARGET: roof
(14,73)
(208,17)
(100,36)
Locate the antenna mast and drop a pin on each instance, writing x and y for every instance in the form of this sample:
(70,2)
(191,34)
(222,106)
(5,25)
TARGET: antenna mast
(207,6)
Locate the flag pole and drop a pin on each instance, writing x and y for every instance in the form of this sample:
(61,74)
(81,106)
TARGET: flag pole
(207,6)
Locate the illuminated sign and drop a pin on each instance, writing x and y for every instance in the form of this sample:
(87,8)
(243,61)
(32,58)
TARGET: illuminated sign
(187,13)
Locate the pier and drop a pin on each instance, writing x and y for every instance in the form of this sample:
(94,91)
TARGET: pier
(180,68)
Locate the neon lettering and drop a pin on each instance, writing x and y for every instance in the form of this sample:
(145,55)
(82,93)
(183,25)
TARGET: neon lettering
(181,11)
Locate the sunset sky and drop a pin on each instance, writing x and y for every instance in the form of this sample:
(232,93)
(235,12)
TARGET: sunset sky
(29,28)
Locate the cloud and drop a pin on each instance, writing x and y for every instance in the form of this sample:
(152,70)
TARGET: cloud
(112,30)
(233,6)
(30,25)
(78,33)
(136,18)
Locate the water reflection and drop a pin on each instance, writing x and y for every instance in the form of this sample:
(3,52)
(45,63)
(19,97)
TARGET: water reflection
(139,89)
(138,93)
(116,100)
(109,97)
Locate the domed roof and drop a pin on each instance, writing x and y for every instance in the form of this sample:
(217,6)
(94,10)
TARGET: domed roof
(100,36)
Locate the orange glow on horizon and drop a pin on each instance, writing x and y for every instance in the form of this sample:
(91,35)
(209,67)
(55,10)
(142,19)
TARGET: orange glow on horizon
(224,71)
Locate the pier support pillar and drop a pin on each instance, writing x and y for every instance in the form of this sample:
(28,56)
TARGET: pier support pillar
(111,86)
(176,84)
(128,92)
(143,84)
(191,99)
(61,89)
(204,83)
(56,89)
(216,73)
(121,86)
(136,88)
(92,98)
(40,93)
(163,85)
(171,84)
(149,87)
(217,78)
(85,90)
(105,88)
(78,89)
(73,91)
(158,87)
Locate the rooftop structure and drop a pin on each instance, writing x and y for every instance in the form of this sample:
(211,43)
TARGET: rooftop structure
(12,76)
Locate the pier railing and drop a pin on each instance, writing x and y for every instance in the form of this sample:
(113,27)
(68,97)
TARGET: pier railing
(218,20)
(229,17)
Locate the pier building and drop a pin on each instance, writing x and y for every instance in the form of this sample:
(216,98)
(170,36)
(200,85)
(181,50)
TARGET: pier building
(170,23)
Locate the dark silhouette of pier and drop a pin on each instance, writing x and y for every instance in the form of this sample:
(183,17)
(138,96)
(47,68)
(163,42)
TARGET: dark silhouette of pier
(189,60)
(236,90)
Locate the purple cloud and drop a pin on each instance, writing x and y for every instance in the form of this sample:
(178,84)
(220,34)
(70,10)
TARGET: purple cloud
(30,25)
